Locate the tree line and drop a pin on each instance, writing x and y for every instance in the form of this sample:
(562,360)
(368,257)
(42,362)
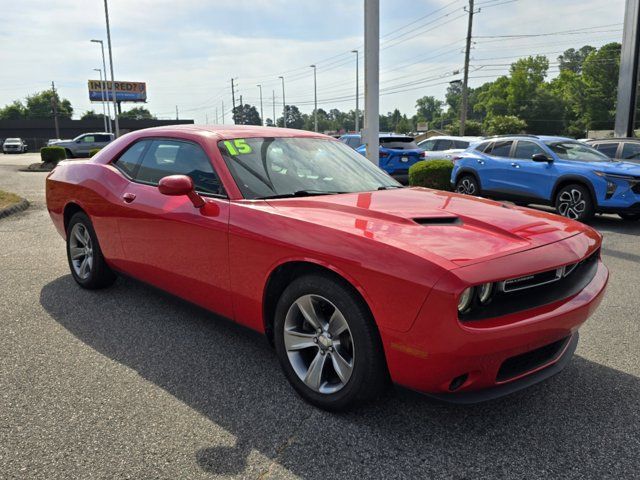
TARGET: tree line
(581,97)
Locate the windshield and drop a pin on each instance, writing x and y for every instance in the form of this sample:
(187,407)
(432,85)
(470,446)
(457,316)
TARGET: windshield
(12,140)
(577,151)
(268,167)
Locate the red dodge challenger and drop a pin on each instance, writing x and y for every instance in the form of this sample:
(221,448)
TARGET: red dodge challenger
(354,279)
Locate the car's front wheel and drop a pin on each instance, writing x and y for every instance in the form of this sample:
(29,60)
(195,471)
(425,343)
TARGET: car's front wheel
(86,262)
(328,344)
(575,202)
(468,185)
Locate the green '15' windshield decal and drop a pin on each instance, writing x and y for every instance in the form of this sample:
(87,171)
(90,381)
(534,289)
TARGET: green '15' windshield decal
(238,147)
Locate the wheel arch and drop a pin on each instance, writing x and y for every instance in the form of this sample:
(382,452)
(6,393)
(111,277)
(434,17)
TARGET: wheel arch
(285,273)
(565,180)
(70,209)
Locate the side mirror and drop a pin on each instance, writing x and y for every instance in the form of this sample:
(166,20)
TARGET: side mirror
(177,185)
(541,157)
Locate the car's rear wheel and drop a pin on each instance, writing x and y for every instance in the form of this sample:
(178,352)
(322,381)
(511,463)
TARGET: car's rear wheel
(575,202)
(68,153)
(629,216)
(86,261)
(328,344)
(468,185)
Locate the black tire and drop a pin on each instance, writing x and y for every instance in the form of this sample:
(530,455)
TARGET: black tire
(99,275)
(629,216)
(68,153)
(575,202)
(369,375)
(468,185)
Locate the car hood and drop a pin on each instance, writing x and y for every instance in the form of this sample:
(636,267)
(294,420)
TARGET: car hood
(453,228)
(624,168)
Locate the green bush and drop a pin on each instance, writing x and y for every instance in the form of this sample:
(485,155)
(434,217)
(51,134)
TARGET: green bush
(52,154)
(93,151)
(431,174)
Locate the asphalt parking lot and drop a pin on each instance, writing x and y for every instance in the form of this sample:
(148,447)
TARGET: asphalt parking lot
(132,383)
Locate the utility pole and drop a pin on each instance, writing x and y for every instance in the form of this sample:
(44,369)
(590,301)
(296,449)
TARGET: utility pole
(177,118)
(465,81)
(628,76)
(105,87)
(54,106)
(315,99)
(223,112)
(261,114)
(357,90)
(371,135)
(113,81)
(233,102)
(240,112)
(275,122)
(104,113)
(217,119)
(284,106)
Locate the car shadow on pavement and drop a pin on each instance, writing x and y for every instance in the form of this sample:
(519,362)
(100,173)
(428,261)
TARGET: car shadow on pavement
(582,423)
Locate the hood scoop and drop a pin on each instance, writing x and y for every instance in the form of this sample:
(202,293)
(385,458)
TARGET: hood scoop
(438,221)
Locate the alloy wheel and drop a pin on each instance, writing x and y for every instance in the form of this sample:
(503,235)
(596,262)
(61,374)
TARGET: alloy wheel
(319,344)
(466,186)
(571,204)
(81,251)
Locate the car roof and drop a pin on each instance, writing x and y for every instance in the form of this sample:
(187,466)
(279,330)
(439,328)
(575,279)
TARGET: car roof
(466,138)
(542,138)
(223,132)
(611,140)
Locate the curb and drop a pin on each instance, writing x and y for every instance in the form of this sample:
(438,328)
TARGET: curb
(18,207)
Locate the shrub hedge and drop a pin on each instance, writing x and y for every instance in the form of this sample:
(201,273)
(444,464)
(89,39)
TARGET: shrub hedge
(431,174)
(52,154)
(93,151)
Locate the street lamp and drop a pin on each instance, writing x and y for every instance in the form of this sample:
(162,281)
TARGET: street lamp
(104,85)
(357,91)
(315,99)
(104,113)
(261,114)
(284,105)
(113,81)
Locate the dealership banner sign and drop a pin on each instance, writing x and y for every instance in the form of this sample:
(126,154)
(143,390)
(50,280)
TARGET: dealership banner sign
(125,91)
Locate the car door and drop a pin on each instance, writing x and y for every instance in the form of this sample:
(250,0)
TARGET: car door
(531,179)
(85,144)
(165,239)
(496,167)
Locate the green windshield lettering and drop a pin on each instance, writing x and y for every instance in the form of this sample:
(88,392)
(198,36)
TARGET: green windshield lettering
(238,147)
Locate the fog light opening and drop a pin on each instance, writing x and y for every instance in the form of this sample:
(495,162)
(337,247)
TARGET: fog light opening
(457,382)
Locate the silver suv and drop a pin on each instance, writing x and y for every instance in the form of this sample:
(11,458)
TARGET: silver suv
(83,144)
(14,145)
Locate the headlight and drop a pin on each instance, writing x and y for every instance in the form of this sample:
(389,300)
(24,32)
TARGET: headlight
(485,292)
(618,176)
(464,302)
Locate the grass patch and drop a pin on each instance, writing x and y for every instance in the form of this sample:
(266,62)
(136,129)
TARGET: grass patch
(8,199)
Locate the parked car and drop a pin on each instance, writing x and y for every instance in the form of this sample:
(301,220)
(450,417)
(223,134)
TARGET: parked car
(397,153)
(14,145)
(570,175)
(83,144)
(445,147)
(354,279)
(627,149)
(53,141)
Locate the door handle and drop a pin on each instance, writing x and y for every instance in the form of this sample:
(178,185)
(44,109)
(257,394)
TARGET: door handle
(481,162)
(129,197)
(515,165)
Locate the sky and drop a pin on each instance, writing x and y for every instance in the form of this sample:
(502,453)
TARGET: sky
(187,51)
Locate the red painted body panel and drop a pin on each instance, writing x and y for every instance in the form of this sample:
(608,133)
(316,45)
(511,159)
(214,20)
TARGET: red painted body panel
(408,271)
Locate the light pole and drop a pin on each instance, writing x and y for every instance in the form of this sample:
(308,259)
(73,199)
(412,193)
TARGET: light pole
(315,99)
(372,79)
(104,113)
(261,114)
(104,85)
(284,105)
(357,90)
(113,81)
(273,103)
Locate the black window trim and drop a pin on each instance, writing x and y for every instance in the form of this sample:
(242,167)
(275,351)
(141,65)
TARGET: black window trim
(114,163)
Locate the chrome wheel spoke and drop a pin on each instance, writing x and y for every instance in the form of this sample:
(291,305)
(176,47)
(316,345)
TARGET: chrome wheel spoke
(77,233)
(76,252)
(580,206)
(84,267)
(341,366)
(313,377)
(294,340)
(337,323)
(306,307)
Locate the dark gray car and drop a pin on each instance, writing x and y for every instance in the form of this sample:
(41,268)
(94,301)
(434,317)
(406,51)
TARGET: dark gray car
(83,144)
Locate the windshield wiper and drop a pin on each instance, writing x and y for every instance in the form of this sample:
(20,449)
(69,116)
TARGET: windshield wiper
(299,193)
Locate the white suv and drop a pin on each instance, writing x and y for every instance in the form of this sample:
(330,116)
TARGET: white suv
(444,147)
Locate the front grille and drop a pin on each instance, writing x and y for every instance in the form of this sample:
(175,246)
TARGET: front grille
(515,366)
(535,290)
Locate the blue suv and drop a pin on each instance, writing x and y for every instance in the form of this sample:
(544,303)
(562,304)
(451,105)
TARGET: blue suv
(573,177)
(397,153)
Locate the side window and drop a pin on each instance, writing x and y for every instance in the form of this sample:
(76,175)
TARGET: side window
(526,150)
(354,142)
(630,151)
(609,149)
(443,145)
(88,139)
(103,138)
(174,157)
(129,160)
(500,148)
(483,147)
(460,144)
(428,145)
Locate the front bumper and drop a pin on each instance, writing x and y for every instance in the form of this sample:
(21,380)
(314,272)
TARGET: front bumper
(436,350)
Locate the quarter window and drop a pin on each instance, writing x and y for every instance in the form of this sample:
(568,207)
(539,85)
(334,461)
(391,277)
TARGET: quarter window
(500,148)
(427,145)
(526,150)
(173,157)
